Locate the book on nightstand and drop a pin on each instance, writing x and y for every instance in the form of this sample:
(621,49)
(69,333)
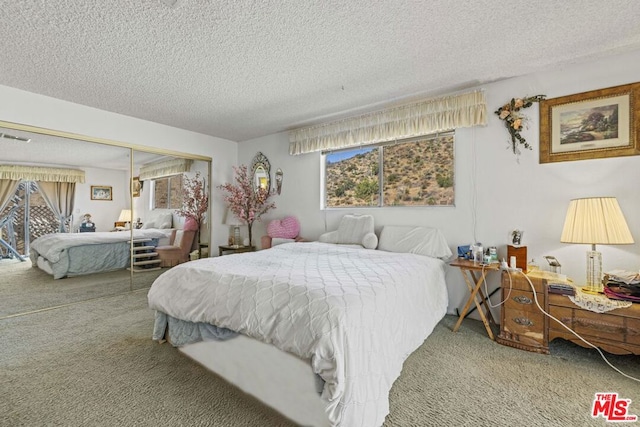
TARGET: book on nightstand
(561,288)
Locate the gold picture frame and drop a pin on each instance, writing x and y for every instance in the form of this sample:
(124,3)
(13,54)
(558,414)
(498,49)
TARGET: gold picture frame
(101,192)
(591,125)
(137,186)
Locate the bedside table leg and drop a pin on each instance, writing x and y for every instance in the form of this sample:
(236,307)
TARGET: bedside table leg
(475,289)
(484,300)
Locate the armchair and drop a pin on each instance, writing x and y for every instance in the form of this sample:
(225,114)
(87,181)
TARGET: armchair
(178,249)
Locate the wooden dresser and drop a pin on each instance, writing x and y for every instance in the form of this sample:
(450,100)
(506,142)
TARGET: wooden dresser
(524,326)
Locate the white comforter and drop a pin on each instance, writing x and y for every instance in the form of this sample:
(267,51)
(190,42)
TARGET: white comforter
(356,314)
(51,246)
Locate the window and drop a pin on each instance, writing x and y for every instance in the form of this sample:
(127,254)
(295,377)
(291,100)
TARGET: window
(167,192)
(417,172)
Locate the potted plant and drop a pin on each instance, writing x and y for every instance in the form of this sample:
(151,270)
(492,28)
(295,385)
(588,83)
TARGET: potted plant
(195,203)
(247,202)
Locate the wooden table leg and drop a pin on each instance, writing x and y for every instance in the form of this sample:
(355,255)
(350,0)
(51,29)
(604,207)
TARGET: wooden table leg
(474,289)
(467,305)
(484,300)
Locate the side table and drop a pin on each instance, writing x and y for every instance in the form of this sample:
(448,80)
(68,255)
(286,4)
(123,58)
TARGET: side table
(474,276)
(230,249)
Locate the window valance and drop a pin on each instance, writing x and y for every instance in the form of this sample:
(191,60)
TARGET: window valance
(164,168)
(411,120)
(39,173)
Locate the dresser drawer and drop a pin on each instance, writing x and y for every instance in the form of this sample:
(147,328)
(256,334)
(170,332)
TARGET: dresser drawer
(526,324)
(632,334)
(607,326)
(521,300)
(518,281)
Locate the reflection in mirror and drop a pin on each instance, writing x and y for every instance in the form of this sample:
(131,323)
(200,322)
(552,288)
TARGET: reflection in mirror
(261,170)
(102,203)
(49,206)
(168,207)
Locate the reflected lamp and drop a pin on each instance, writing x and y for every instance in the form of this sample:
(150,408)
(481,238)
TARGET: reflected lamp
(595,221)
(125,216)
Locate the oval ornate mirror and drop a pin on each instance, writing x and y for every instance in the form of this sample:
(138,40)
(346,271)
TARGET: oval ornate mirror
(261,170)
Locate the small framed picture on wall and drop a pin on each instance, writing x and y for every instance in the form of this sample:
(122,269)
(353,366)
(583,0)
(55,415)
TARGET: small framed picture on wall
(101,192)
(137,186)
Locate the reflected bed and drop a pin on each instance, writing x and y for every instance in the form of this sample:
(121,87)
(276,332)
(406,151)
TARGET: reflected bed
(75,254)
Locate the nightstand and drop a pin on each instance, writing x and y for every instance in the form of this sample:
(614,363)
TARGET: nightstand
(522,324)
(228,250)
(474,276)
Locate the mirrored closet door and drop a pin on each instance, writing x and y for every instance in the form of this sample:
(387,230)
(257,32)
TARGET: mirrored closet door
(77,222)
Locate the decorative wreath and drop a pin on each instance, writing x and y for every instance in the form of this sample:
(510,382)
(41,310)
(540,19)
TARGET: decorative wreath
(514,120)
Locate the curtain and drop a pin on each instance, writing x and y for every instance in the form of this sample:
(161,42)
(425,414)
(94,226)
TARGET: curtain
(413,120)
(164,168)
(8,188)
(60,197)
(38,173)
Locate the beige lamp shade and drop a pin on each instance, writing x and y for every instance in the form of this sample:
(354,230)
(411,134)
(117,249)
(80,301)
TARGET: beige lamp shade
(231,219)
(596,220)
(125,215)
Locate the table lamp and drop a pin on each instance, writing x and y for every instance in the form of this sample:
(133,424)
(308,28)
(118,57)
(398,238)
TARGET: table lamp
(595,220)
(235,223)
(125,216)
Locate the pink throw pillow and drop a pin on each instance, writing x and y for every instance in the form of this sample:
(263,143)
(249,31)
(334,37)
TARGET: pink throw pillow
(286,228)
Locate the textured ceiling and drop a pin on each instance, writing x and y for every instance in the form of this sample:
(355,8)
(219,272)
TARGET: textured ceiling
(243,69)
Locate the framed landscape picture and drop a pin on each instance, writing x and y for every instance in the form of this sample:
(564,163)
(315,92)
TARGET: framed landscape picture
(137,186)
(101,192)
(590,125)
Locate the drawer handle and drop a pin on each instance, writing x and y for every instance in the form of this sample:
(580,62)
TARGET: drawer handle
(521,299)
(523,321)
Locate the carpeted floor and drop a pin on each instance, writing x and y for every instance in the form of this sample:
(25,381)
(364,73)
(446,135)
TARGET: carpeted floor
(93,363)
(25,289)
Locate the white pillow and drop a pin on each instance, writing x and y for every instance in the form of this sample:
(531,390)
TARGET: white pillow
(370,241)
(164,220)
(353,230)
(416,240)
(158,219)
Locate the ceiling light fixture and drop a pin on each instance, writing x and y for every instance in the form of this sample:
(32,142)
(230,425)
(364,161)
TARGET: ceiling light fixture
(15,138)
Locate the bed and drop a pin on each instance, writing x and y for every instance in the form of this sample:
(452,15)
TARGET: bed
(75,254)
(322,329)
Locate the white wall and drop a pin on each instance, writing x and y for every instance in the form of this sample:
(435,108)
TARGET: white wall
(103,212)
(493,190)
(42,111)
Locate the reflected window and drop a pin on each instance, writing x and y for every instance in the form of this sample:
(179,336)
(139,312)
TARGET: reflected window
(31,219)
(167,192)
